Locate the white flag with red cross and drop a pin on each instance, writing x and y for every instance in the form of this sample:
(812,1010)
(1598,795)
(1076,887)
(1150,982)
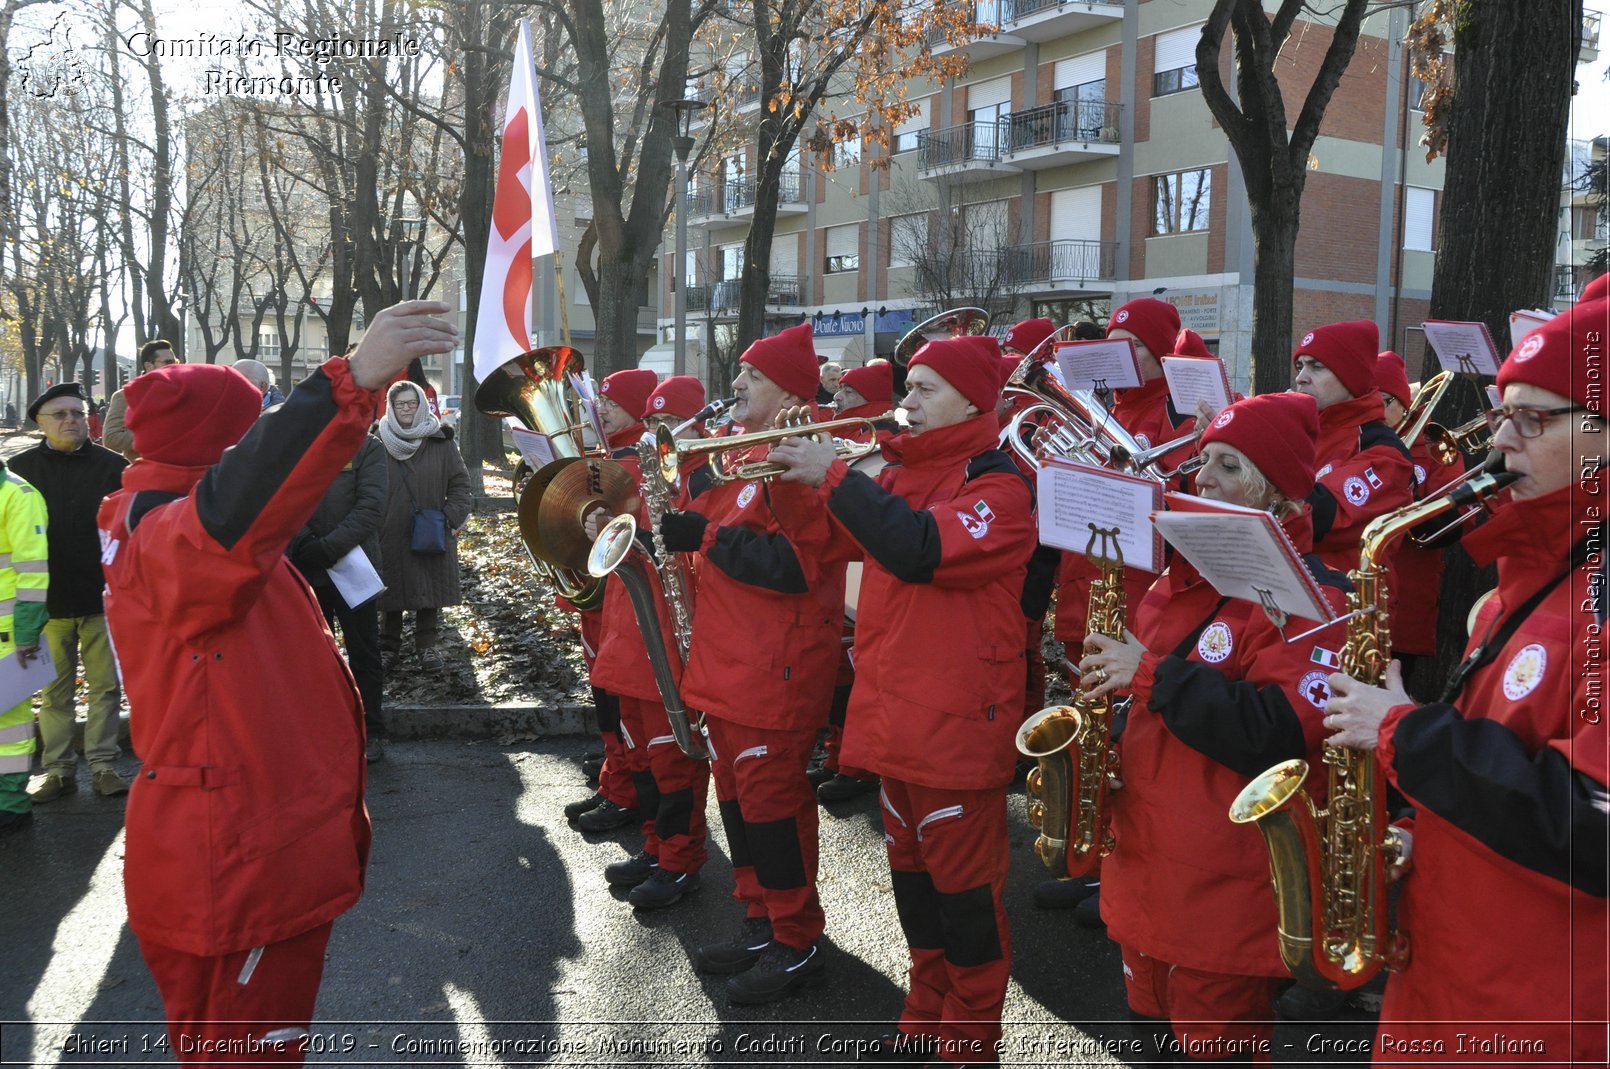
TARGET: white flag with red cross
(523,223)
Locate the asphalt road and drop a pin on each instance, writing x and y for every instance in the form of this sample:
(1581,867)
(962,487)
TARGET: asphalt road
(487,937)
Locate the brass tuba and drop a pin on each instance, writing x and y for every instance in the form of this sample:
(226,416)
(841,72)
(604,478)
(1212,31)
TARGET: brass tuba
(1329,866)
(1067,793)
(616,551)
(956,323)
(534,388)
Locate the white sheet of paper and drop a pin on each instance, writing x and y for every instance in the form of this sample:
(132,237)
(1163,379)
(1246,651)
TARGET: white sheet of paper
(1523,321)
(1243,556)
(1463,347)
(1193,379)
(18,684)
(1073,496)
(355,578)
(536,448)
(1111,363)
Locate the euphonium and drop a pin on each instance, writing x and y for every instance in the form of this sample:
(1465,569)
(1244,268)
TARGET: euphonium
(616,551)
(1329,866)
(1067,793)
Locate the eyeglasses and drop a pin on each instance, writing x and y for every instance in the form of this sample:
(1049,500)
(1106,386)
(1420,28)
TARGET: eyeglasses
(405,404)
(1529,422)
(65,415)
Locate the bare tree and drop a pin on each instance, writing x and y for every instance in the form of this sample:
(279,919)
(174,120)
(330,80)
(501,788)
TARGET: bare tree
(956,239)
(1272,150)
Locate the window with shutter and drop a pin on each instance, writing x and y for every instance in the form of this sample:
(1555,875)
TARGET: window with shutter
(1419,206)
(843,248)
(905,134)
(1175,63)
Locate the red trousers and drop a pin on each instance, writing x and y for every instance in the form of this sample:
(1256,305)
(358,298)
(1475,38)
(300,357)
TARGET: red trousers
(675,831)
(248,1006)
(1214,1016)
(948,860)
(615,779)
(769,812)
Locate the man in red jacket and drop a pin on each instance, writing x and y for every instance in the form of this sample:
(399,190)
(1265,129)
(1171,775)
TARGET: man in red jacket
(1364,470)
(765,644)
(945,531)
(1507,771)
(247,833)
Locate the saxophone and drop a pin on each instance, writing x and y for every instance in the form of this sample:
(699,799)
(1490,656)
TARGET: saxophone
(616,551)
(1329,865)
(1067,793)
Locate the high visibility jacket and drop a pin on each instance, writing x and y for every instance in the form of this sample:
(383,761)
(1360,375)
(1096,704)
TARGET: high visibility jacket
(24,581)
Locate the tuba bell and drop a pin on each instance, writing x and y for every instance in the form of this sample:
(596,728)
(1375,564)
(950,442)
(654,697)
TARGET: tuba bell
(535,389)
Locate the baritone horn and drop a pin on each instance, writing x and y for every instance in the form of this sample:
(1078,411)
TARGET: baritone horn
(672,452)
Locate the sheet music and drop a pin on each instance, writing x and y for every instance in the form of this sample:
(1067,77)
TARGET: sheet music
(355,578)
(536,448)
(1085,364)
(1522,322)
(1073,496)
(1463,347)
(1245,555)
(1194,379)
(18,684)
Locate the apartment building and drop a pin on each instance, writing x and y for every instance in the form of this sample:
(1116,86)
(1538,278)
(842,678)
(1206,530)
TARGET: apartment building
(1074,167)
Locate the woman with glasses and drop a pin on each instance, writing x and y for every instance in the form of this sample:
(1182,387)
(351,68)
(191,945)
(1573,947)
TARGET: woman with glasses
(425,472)
(1504,891)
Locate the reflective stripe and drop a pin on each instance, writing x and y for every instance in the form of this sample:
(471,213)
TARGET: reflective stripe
(753,751)
(889,808)
(250,966)
(18,763)
(660,740)
(31,566)
(7,606)
(626,737)
(5,560)
(30,594)
(938,814)
(17,732)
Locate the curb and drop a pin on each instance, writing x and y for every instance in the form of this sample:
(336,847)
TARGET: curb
(413,722)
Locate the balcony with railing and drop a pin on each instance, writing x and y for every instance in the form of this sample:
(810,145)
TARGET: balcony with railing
(1589,52)
(1061,266)
(727,202)
(1045,20)
(747,96)
(1068,131)
(721,298)
(985,40)
(970,150)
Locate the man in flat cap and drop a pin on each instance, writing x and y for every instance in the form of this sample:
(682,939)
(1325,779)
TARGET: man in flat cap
(73,474)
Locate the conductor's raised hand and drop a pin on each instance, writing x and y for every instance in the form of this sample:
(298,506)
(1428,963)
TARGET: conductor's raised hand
(398,335)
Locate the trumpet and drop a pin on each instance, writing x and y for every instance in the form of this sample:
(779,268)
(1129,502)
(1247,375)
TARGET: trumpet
(1446,445)
(1425,401)
(672,452)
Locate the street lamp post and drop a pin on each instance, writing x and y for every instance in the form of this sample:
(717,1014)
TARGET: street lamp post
(685,112)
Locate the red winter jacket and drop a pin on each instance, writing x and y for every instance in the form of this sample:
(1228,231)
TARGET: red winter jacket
(1363,471)
(1419,571)
(1148,415)
(1204,723)
(1505,903)
(946,531)
(767,619)
(246,824)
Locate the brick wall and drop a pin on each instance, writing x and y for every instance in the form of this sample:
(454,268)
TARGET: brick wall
(1340,225)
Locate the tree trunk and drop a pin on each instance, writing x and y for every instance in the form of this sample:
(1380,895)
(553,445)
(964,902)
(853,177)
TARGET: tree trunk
(1514,66)
(1275,225)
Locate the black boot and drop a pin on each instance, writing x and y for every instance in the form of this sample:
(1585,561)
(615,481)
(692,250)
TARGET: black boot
(605,816)
(584,805)
(737,954)
(663,888)
(779,970)
(632,871)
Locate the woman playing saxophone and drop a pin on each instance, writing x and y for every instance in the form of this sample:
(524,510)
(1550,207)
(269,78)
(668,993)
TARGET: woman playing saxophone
(1218,696)
(1505,893)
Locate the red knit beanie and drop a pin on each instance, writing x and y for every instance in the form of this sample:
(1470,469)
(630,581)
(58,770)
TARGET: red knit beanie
(1026,336)
(1347,350)
(1596,290)
(1276,432)
(1189,343)
(630,389)
(1566,355)
(1391,377)
(875,382)
(970,363)
(1156,323)
(679,395)
(787,358)
(188,414)
(1009,363)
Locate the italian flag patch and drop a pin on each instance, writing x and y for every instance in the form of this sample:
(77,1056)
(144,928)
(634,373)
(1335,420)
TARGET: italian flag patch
(984,512)
(1328,658)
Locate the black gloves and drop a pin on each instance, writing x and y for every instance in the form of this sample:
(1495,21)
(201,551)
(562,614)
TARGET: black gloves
(683,532)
